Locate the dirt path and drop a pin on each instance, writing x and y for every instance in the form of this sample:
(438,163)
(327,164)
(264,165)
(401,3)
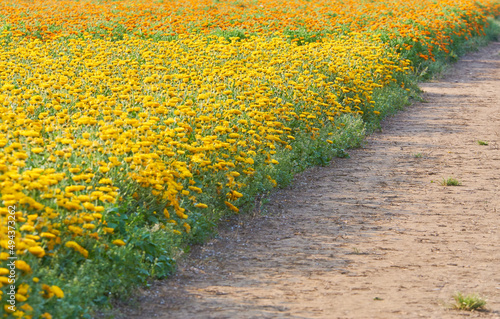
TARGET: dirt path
(371,236)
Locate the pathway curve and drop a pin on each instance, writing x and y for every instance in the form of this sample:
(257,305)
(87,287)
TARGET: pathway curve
(371,236)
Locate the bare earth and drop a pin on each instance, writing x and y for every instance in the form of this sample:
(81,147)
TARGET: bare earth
(375,235)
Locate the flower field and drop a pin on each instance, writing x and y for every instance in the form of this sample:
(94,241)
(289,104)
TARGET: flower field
(128,129)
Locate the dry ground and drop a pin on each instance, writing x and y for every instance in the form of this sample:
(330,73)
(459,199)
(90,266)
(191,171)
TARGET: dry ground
(372,236)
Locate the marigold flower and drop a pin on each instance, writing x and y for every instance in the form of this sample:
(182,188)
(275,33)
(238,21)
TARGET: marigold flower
(21,264)
(37,251)
(119,242)
(57,291)
(232,207)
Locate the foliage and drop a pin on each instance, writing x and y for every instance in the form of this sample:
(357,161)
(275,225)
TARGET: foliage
(468,302)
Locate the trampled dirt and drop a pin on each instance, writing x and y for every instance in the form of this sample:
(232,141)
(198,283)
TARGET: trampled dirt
(375,235)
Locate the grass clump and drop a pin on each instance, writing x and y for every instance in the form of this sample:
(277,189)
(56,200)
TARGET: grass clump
(482,142)
(468,302)
(450,181)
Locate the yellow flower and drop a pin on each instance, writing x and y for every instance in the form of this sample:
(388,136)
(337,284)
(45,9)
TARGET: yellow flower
(21,264)
(98,208)
(105,181)
(232,207)
(119,242)
(23,289)
(37,251)
(181,215)
(57,291)
(234,194)
(103,169)
(74,245)
(195,189)
(47,235)
(27,228)
(26,307)
(8,308)
(166,213)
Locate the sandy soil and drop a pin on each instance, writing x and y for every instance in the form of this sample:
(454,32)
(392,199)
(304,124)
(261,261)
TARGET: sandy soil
(372,236)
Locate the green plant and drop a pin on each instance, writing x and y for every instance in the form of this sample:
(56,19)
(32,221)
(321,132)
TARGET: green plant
(450,181)
(303,36)
(232,34)
(418,155)
(493,30)
(469,302)
(482,142)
